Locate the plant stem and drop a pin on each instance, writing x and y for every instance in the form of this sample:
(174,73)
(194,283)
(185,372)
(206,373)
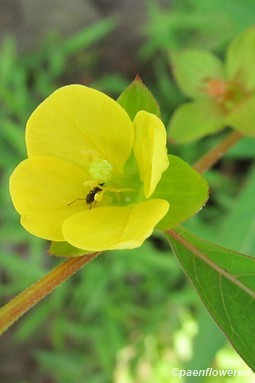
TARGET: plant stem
(211,157)
(19,305)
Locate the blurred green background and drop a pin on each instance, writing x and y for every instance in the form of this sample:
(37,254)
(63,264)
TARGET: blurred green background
(129,316)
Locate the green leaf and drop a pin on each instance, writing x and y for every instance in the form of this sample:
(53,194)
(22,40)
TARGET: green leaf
(241,217)
(225,281)
(240,59)
(192,68)
(64,249)
(242,117)
(193,120)
(138,97)
(209,338)
(184,189)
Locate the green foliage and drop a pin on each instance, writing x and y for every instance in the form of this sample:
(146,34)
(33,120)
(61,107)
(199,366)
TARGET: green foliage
(224,279)
(138,97)
(195,23)
(240,214)
(229,207)
(240,57)
(192,68)
(117,305)
(184,189)
(193,120)
(125,312)
(223,95)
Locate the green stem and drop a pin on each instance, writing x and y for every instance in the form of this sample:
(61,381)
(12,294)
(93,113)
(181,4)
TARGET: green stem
(211,157)
(19,305)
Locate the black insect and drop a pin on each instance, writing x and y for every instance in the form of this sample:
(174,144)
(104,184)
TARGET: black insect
(90,198)
(91,195)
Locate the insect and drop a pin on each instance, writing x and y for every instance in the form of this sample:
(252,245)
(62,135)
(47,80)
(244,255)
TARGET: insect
(92,196)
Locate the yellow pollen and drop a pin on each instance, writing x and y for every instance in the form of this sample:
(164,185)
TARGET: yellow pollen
(100,170)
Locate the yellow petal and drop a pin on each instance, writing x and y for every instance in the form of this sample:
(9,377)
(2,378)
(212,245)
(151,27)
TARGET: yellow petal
(150,149)
(109,228)
(41,189)
(76,123)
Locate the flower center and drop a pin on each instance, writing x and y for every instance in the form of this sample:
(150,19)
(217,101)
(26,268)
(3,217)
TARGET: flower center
(225,93)
(100,171)
(105,187)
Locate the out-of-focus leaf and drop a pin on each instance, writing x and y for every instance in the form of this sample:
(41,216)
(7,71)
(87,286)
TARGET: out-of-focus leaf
(193,120)
(240,59)
(193,68)
(242,116)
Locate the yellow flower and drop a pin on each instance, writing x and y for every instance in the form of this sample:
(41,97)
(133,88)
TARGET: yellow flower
(91,172)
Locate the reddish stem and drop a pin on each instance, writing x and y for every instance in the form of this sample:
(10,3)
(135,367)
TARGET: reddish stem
(19,305)
(211,157)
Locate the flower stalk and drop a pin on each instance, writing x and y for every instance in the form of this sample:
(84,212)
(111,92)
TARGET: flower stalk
(19,305)
(214,155)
